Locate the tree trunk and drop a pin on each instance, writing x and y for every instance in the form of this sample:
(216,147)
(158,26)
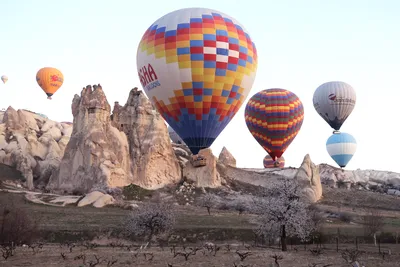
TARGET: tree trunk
(208,210)
(151,235)
(283,238)
(375,239)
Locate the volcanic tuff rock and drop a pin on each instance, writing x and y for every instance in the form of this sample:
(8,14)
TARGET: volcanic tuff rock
(205,176)
(385,180)
(226,158)
(133,147)
(32,144)
(97,154)
(153,162)
(308,175)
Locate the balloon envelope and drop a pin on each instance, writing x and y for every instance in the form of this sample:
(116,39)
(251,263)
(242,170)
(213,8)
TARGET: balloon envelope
(341,147)
(274,117)
(334,102)
(270,163)
(197,67)
(50,80)
(4,78)
(174,136)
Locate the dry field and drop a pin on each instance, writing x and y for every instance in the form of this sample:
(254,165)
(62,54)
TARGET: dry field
(69,223)
(54,255)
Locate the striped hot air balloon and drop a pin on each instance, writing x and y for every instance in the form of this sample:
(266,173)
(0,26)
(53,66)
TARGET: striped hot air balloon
(274,117)
(197,67)
(270,163)
(341,147)
(334,102)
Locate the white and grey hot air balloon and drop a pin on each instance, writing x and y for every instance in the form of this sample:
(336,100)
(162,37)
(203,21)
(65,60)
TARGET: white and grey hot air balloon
(174,136)
(334,102)
(4,78)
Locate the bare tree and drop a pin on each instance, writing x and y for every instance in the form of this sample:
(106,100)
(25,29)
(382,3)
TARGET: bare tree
(242,204)
(208,201)
(151,220)
(373,222)
(282,212)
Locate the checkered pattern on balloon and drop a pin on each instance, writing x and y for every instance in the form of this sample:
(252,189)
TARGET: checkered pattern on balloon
(220,54)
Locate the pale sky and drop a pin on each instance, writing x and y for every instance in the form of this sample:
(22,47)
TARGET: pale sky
(300,44)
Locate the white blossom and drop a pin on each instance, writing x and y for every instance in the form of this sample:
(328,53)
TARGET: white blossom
(151,220)
(282,212)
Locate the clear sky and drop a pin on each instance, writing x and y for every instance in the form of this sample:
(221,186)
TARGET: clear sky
(301,44)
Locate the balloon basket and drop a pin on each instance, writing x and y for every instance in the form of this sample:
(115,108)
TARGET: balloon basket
(198,161)
(336,132)
(49,98)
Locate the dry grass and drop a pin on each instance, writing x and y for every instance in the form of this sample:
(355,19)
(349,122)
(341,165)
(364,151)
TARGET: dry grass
(359,199)
(53,255)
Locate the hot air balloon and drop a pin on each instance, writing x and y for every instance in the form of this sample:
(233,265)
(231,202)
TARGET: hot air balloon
(4,78)
(274,117)
(334,102)
(341,147)
(50,80)
(174,136)
(197,67)
(270,163)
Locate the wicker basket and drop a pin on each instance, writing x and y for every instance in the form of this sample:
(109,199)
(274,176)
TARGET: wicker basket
(199,162)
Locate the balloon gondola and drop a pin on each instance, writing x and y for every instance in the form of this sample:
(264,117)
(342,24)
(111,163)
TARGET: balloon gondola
(268,162)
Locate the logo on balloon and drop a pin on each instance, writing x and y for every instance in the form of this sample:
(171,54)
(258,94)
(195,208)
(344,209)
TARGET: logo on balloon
(55,78)
(341,100)
(148,77)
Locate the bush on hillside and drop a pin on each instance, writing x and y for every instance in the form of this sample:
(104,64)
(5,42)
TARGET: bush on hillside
(16,226)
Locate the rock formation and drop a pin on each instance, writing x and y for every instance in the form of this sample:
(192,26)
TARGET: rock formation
(153,162)
(97,154)
(383,180)
(133,146)
(226,158)
(32,144)
(308,175)
(182,153)
(205,176)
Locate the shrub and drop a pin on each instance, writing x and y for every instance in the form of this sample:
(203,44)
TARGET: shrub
(151,220)
(135,192)
(345,217)
(16,226)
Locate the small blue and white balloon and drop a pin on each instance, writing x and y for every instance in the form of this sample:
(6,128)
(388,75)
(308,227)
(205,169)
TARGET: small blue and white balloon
(341,147)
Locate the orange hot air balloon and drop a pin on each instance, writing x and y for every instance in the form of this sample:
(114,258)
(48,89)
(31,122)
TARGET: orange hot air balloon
(50,80)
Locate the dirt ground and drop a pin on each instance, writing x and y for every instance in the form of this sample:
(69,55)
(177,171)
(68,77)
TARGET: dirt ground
(59,224)
(55,255)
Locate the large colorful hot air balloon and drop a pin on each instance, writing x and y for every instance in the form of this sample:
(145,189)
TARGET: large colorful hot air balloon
(174,136)
(334,102)
(270,163)
(50,80)
(341,147)
(274,117)
(197,66)
(4,78)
